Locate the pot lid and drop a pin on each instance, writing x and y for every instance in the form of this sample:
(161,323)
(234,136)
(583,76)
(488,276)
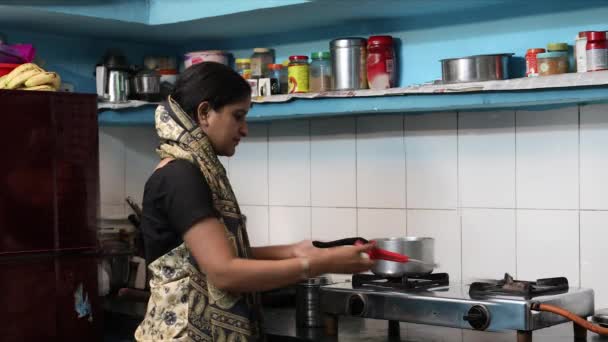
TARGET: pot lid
(474,56)
(148,73)
(348,42)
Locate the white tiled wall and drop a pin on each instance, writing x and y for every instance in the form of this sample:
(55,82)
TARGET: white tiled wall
(524,192)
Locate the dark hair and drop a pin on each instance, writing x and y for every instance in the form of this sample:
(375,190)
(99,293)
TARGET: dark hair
(209,81)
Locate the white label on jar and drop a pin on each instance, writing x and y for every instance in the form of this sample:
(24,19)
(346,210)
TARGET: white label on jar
(597,59)
(256,67)
(581,55)
(389,66)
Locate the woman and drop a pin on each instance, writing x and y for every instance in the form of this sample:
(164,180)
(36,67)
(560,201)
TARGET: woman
(204,274)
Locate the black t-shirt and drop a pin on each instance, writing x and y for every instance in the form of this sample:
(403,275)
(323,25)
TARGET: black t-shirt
(176,197)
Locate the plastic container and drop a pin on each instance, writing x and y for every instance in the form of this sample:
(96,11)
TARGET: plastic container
(531,61)
(552,63)
(243,67)
(381,66)
(298,74)
(6,68)
(196,57)
(597,51)
(276,71)
(320,72)
(580,51)
(259,62)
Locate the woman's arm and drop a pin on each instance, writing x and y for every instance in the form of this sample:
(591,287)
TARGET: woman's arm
(280,252)
(209,244)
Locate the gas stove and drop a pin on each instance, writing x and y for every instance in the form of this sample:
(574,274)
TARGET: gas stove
(495,305)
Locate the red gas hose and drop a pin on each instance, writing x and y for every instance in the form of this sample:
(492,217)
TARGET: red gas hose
(571,316)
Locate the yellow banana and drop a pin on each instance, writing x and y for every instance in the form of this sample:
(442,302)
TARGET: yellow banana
(56,81)
(42,78)
(2,81)
(20,79)
(21,69)
(44,87)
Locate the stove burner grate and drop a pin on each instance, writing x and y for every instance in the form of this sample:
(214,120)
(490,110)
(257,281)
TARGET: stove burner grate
(526,289)
(407,283)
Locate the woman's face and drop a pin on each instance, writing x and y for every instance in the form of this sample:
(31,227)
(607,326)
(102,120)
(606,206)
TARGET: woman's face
(225,127)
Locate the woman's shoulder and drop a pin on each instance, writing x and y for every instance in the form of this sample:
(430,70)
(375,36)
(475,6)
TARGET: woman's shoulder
(178,167)
(178,172)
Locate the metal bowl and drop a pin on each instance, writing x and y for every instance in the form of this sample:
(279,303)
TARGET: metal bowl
(477,68)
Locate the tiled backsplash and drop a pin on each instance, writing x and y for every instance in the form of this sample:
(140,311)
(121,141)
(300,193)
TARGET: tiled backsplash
(524,192)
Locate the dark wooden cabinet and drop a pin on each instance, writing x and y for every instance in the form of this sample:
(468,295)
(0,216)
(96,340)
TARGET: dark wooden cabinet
(48,205)
(50,172)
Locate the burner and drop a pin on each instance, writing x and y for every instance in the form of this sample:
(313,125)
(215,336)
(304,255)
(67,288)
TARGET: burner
(526,289)
(419,282)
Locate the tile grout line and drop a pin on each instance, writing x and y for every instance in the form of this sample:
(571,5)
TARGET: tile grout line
(458,199)
(405,168)
(356,177)
(310,206)
(268,179)
(580,267)
(515,187)
(423,209)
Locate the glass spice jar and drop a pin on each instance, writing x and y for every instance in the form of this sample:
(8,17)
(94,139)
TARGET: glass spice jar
(532,62)
(298,74)
(259,62)
(320,72)
(243,67)
(552,63)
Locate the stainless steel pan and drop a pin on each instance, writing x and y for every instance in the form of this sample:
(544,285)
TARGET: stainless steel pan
(412,255)
(476,68)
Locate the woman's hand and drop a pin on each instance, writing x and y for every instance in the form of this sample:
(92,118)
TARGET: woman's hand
(305,248)
(344,259)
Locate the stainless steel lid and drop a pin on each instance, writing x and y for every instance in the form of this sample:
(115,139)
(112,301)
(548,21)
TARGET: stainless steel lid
(601,317)
(479,56)
(347,42)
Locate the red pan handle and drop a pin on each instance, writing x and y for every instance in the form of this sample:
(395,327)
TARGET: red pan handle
(383,254)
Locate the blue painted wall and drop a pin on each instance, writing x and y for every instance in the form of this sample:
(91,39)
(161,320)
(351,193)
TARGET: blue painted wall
(75,58)
(424,40)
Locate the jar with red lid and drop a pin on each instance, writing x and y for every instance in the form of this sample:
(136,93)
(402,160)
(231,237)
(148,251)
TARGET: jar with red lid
(298,74)
(597,51)
(532,62)
(381,62)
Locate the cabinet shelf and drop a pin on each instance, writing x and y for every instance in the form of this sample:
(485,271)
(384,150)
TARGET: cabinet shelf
(556,90)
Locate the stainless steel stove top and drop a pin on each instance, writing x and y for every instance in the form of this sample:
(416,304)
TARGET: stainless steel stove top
(452,306)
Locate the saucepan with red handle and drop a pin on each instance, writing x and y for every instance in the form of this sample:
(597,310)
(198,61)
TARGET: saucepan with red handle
(395,257)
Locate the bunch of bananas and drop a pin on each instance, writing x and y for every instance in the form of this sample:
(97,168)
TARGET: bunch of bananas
(30,76)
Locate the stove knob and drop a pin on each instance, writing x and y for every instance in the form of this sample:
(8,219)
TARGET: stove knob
(357,305)
(478,317)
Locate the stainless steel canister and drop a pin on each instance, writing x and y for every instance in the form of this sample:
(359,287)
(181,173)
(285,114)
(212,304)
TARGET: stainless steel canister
(308,306)
(348,63)
(118,86)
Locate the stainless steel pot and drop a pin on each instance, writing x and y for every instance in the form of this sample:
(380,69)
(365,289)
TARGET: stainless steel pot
(476,68)
(147,85)
(421,248)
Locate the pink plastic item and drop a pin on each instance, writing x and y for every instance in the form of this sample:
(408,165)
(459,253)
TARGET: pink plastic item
(17,53)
